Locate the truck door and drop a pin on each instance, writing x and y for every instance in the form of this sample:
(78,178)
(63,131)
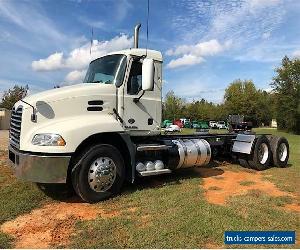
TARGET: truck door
(141,117)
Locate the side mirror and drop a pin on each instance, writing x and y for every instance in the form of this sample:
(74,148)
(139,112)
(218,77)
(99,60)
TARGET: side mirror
(148,74)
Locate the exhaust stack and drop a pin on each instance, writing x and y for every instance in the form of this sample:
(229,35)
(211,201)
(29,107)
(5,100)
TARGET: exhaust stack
(136,35)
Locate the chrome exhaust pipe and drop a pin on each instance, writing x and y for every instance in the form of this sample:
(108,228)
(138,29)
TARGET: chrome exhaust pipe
(136,35)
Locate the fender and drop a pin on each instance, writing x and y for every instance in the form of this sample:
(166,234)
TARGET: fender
(243,143)
(74,130)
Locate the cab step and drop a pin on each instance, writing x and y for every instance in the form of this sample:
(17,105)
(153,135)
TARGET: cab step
(155,172)
(150,147)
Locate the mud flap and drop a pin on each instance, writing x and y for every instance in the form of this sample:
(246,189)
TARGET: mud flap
(243,144)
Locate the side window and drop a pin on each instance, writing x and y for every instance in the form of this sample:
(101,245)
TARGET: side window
(134,84)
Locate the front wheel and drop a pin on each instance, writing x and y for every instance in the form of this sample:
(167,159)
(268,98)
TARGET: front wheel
(99,173)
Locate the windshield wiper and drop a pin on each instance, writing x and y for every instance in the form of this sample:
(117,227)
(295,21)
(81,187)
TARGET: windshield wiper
(96,81)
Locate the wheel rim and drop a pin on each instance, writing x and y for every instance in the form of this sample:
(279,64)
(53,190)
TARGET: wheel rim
(102,174)
(283,151)
(263,153)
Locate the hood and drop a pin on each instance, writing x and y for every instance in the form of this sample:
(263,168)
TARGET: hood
(73,91)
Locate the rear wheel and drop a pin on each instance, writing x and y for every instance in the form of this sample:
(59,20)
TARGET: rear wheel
(280,151)
(244,162)
(261,156)
(100,173)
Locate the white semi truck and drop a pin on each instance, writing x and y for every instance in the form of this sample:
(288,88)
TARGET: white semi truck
(97,134)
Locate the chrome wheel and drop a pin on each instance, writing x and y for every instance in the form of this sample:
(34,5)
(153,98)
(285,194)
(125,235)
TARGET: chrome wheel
(283,152)
(102,174)
(263,153)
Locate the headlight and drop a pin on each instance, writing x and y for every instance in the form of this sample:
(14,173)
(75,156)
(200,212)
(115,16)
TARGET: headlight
(48,140)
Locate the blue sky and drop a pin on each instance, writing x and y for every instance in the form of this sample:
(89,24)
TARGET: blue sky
(205,44)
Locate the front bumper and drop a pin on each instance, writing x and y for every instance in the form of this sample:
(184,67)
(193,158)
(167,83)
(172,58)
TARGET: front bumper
(39,168)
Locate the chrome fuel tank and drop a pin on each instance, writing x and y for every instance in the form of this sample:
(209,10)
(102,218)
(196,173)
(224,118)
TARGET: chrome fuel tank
(192,152)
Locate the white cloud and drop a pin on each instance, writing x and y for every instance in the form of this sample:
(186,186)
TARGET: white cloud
(242,21)
(269,52)
(52,62)
(201,49)
(185,60)
(194,54)
(255,4)
(250,21)
(296,53)
(75,76)
(251,24)
(80,57)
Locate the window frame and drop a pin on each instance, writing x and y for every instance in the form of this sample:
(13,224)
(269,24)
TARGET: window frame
(128,79)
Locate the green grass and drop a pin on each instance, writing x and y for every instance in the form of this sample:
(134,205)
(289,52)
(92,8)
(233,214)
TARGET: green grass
(173,213)
(5,241)
(247,183)
(16,197)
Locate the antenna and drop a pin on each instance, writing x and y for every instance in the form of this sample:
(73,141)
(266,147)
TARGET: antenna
(148,9)
(92,34)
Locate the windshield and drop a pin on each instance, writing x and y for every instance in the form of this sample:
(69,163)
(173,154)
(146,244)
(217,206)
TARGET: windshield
(107,70)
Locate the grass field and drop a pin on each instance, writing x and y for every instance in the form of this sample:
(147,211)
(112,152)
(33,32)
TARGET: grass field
(177,210)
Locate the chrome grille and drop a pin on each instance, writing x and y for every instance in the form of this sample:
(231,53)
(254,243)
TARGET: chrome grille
(15,126)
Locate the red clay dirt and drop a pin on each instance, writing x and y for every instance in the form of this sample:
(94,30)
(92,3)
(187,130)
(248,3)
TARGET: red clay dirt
(218,190)
(293,207)
(51,225)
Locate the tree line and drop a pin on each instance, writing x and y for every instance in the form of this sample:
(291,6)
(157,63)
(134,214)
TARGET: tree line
(241,97)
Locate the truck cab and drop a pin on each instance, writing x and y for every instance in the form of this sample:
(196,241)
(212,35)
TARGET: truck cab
(120,96)
(111,99)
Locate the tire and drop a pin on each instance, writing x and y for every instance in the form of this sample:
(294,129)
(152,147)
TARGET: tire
(244,162)
(280,151)
(99,173)
(261,155)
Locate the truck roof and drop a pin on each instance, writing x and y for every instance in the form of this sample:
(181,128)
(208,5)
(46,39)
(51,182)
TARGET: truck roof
(153,54)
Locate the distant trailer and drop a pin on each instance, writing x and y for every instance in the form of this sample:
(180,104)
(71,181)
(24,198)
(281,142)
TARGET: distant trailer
(237,124)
